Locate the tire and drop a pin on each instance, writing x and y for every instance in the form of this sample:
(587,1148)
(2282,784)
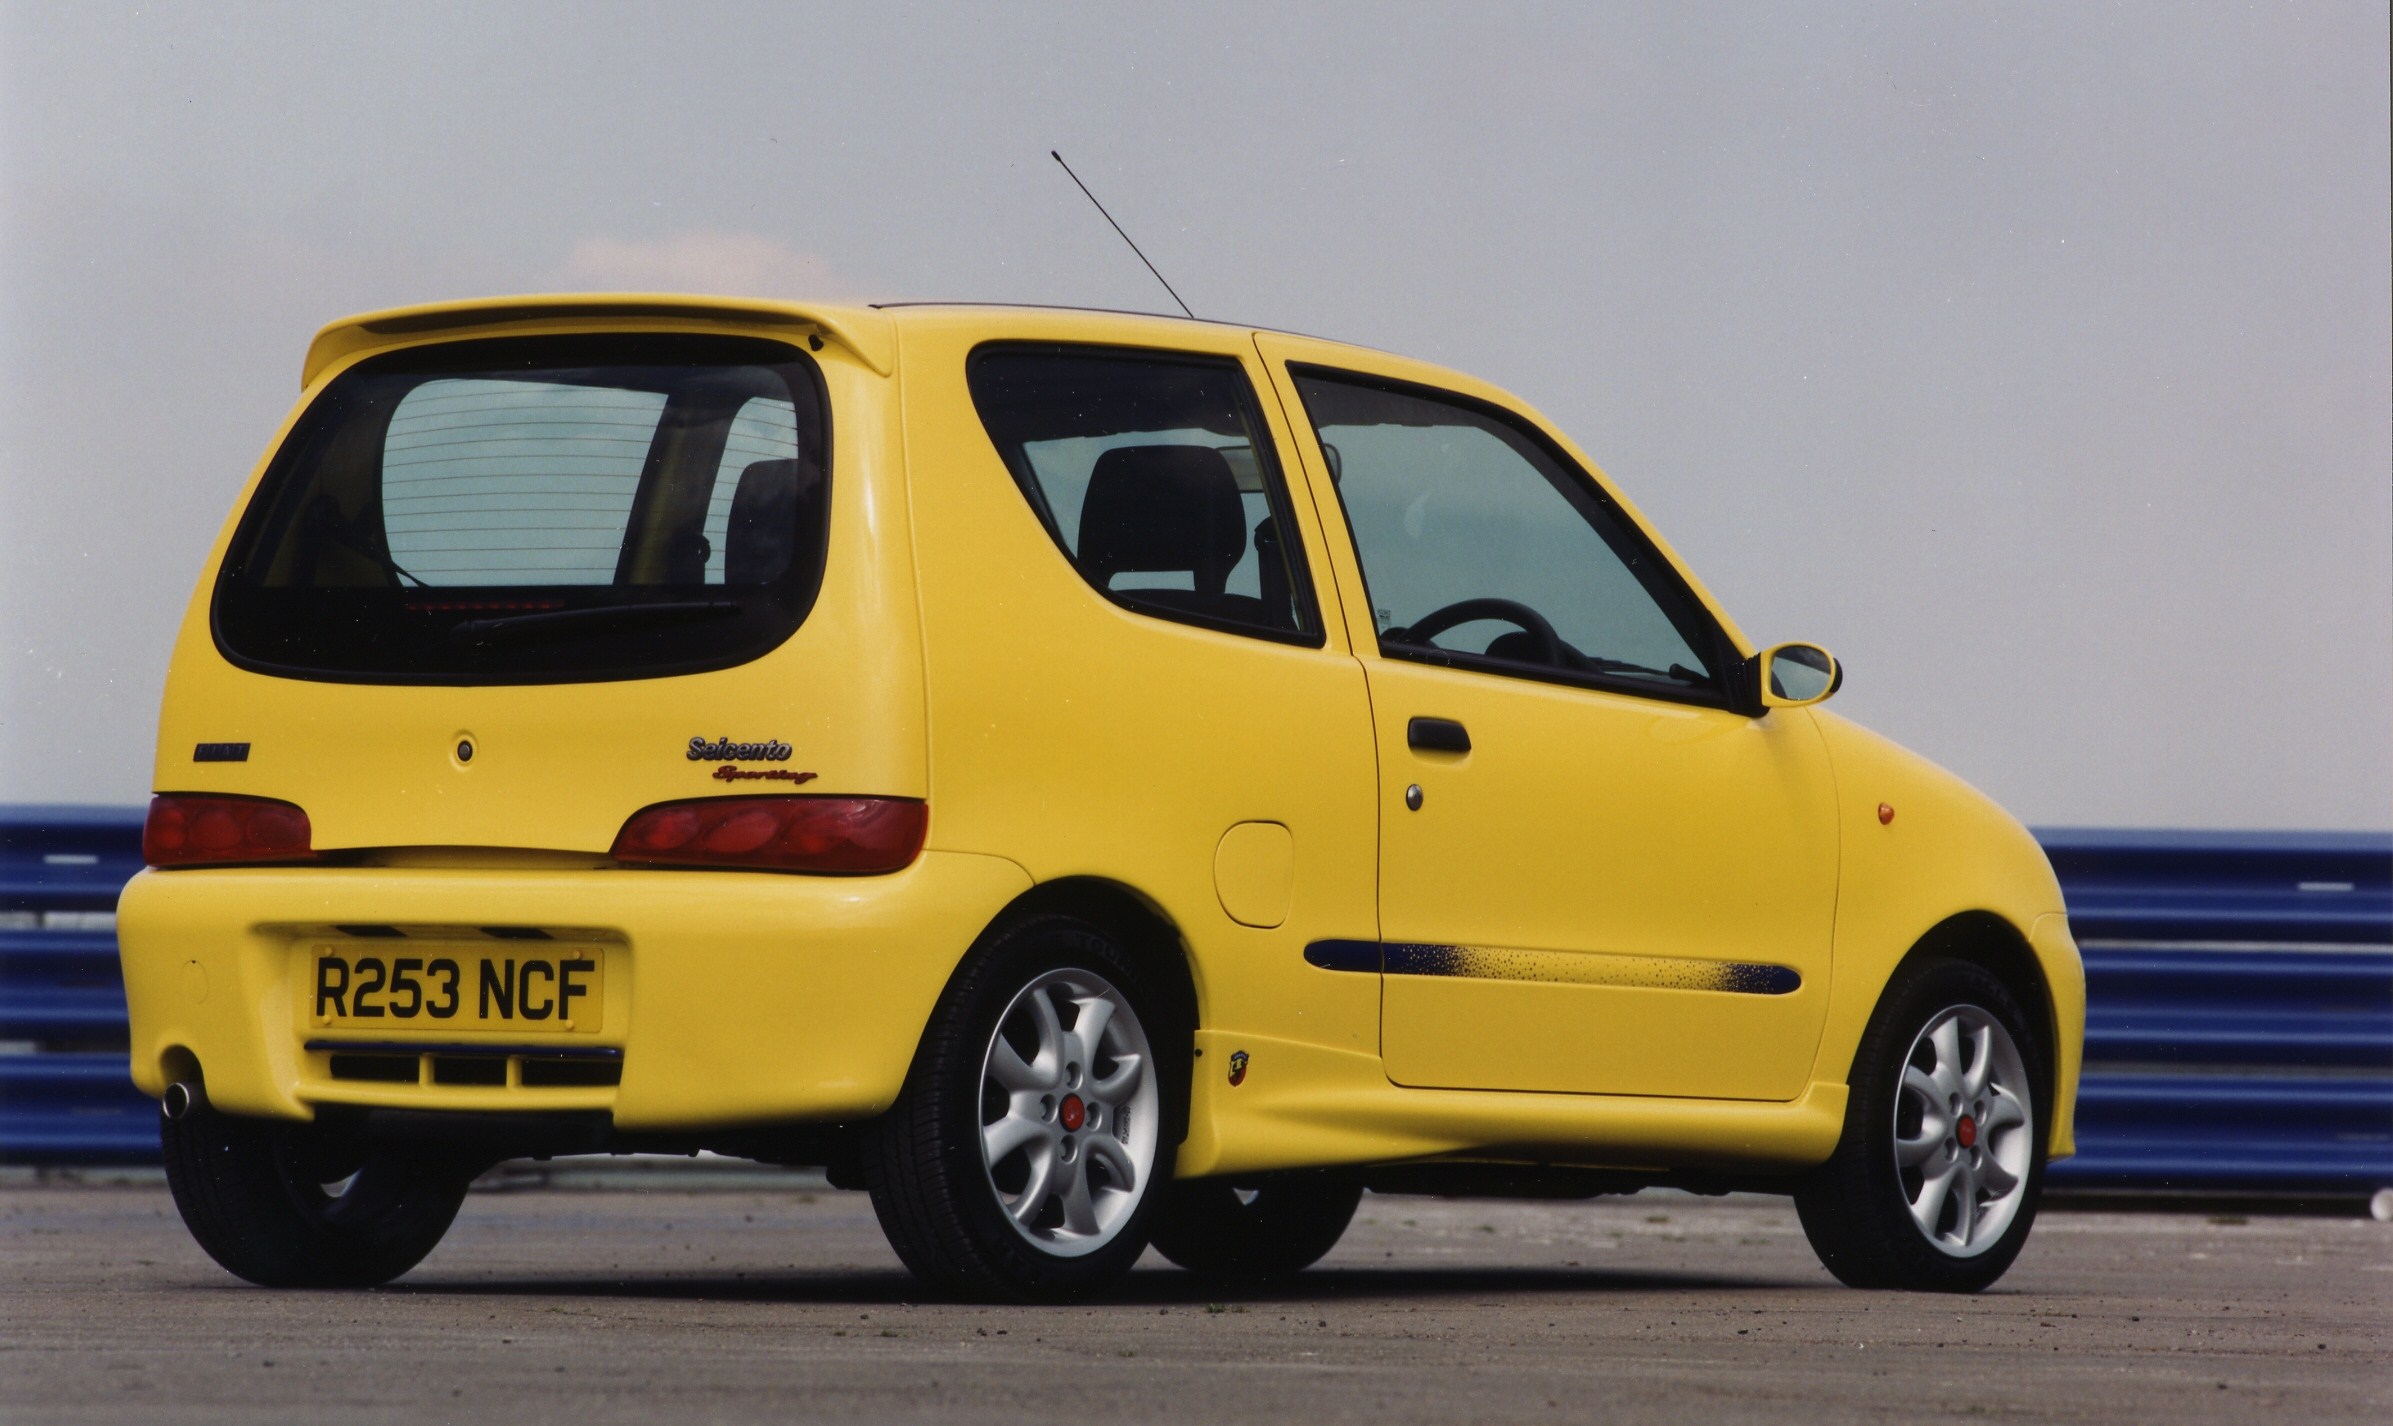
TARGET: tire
(1020,1162)
(291,1205)
(1919,1197)
(1274,1227)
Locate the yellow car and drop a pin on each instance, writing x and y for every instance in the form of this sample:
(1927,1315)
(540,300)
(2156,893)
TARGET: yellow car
(1091,780)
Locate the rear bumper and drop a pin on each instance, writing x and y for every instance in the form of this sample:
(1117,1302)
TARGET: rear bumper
(734,998)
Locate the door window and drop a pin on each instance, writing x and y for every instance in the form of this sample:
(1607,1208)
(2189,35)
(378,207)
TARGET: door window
(1154,472)
(1481,546)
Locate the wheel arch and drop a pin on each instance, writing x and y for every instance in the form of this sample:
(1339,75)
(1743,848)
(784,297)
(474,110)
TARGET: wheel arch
(1142,928)
(1994,945)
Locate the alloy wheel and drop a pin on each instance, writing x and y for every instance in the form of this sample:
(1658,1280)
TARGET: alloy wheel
(1069,1110)
(1964,1131)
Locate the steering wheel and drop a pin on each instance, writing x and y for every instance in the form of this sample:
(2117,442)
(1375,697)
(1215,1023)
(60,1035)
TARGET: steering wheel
(1466,611)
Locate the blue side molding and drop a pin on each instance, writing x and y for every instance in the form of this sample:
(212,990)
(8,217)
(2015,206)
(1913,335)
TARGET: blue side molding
(1553,967)
(1345,955)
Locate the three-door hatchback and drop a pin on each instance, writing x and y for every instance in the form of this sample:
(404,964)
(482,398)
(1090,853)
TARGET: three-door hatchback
(1090,780)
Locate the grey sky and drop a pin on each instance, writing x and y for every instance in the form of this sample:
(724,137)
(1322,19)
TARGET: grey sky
(2035,359)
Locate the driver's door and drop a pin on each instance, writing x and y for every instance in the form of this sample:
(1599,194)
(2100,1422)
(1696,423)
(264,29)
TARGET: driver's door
(1621,885)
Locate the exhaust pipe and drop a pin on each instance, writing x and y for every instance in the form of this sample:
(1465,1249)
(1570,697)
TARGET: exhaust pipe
(180,1099)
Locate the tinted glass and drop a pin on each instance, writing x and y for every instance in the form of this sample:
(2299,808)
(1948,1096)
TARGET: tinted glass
(536,510)
(1156,476)
(1477,540)
(489,481)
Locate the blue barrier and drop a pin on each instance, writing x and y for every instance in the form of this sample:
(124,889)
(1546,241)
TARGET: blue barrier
(2228,1134)
(2239,1010)
(2239,1032)
(2277,888)
(2296,1009)
(75,1107)
(65,1097)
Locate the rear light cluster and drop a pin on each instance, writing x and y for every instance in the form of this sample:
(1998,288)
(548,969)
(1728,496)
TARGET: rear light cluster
(855,835)
(188,830)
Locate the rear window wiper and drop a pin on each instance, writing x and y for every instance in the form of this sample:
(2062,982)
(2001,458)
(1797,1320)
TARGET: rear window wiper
(606,616)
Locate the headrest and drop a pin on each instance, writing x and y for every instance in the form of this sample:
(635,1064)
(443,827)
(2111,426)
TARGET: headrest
(1163,508)
(763,531)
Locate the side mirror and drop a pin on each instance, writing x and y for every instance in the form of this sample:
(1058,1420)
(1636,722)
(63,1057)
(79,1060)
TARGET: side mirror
(1791,676)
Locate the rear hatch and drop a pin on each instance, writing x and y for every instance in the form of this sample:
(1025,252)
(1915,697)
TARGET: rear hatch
(504,585)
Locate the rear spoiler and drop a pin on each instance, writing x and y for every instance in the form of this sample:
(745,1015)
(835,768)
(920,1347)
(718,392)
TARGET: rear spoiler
(863,332)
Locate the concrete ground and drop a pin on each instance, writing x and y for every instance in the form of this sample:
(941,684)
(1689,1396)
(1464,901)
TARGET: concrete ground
(676,1303)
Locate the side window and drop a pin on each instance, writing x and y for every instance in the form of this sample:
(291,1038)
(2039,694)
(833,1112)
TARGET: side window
(1481,546)
(1154,472)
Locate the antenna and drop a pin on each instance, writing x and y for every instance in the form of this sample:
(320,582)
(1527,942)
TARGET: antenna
(1142,257)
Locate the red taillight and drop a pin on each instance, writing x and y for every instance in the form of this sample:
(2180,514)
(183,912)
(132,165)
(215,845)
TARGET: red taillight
(188,829)
(855,835)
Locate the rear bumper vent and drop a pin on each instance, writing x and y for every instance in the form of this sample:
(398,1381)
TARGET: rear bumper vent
(479,1066)
(462,1069)
(569,1074)
(376,1069)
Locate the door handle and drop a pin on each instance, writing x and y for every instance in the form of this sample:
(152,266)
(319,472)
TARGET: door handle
(1437,735)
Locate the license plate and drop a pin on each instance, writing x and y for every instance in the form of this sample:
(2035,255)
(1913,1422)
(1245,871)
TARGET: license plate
(453,988)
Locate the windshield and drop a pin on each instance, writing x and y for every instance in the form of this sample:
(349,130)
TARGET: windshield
(537,510)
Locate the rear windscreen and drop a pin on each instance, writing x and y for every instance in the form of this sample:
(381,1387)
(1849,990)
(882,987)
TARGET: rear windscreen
(534,510)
